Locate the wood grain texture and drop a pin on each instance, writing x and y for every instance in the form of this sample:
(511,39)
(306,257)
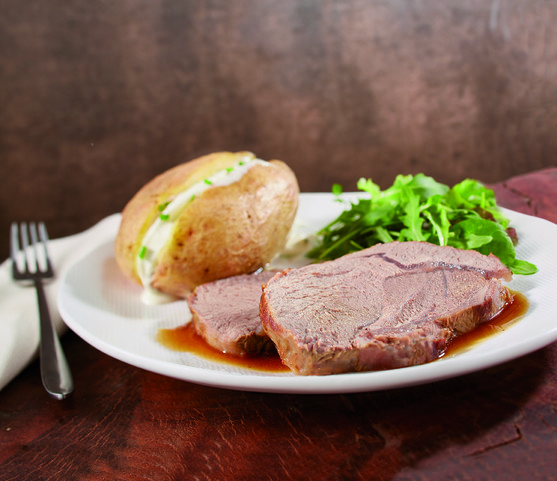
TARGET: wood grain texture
(97,98)
(124,423)
(128,424)
(531,193)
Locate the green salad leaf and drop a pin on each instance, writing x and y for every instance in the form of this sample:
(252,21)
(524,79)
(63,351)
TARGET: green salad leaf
(418,208)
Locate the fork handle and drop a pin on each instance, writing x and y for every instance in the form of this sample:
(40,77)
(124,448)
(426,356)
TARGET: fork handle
(55,371)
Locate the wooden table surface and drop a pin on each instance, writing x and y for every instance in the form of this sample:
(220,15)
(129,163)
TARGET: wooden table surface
(129,424)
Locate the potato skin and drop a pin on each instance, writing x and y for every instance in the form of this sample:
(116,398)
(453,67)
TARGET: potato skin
(228,230)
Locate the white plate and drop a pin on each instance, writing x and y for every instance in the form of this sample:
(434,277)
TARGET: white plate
(103,308)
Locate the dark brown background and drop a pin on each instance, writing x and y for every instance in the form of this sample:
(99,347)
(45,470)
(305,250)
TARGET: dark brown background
(98,97)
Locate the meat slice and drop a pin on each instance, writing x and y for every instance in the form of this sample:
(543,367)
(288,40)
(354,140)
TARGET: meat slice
(389,306)
(226,314)
(415,255)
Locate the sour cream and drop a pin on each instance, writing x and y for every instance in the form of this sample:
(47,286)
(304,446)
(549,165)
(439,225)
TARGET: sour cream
(160,232)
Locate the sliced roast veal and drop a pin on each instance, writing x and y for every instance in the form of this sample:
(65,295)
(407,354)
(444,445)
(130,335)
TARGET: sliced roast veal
(389,306)
(424,256)
(226,314)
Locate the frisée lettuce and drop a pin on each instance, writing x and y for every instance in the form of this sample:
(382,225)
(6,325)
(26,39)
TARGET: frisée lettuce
(418,208)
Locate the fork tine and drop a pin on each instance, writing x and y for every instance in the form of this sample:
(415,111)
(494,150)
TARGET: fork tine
(18,258)
(33,232)
(43,235)
(24,245)
(34,252)
(14,241)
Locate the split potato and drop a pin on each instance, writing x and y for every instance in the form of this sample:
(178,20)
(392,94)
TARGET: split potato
(220,215)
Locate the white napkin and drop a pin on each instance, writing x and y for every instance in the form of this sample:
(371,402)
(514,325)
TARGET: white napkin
(19,315)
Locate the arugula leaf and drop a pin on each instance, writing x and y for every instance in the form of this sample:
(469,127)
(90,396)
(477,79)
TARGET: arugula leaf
(420,208)
(412,219)
(524,268)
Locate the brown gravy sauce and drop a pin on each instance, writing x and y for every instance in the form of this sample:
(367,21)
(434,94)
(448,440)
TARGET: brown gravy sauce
(186,339)
(511,313)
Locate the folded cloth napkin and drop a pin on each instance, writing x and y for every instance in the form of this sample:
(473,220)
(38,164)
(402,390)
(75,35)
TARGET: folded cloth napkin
(19,315)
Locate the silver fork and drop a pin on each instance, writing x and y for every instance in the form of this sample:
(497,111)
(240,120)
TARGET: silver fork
(31,264)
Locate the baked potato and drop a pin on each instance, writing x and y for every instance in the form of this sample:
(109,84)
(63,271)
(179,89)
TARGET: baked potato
(216,216)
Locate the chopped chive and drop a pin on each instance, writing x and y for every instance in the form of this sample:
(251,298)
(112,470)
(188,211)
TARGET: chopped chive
(163,206)
(164,216)
(142,252)
(241,163)
(230,169)
(207,181)
(192,198)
